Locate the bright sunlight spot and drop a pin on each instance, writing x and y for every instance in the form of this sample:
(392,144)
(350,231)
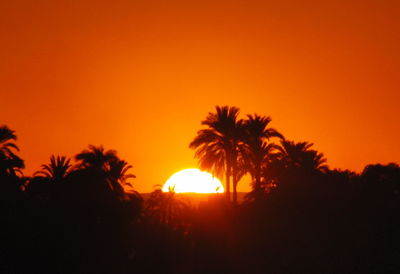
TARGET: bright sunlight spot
(193,180)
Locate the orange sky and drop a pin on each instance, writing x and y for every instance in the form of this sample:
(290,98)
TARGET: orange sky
(139,76)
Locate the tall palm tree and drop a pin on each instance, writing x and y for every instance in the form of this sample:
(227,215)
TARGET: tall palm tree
(257,148)
(217,145)
(10,163)
(57,169)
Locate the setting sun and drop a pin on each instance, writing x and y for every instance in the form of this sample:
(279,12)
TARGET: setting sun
(193,180)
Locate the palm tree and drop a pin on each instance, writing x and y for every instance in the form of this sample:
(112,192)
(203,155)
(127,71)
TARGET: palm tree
(118,174)
(10,163)
(96,158)
(257,148)
(165,207)
(217,145)
(300,156)
(106,164)
(57,170)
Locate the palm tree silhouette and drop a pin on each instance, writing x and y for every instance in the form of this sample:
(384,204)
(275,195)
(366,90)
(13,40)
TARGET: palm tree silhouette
(96,158)
(217,145)
(107,166)
(118,174)
(299,155)
(257,149)
(10,163)
(165,207)
(57,169)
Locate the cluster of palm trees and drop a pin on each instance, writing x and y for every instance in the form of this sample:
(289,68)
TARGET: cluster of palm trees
(231,147)
(105,162)
(96,173)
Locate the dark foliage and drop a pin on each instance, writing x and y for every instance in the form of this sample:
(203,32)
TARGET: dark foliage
(306,218)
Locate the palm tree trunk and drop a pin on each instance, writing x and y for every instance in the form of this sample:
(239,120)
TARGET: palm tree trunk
(228,183)
(234,197)
(234,184)
(257,182)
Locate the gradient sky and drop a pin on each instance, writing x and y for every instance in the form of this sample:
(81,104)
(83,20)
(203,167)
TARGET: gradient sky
(139,76)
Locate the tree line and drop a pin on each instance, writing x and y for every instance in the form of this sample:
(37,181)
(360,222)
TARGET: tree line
(84,216)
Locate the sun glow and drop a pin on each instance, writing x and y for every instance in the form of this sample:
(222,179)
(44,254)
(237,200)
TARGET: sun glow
(193,180)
